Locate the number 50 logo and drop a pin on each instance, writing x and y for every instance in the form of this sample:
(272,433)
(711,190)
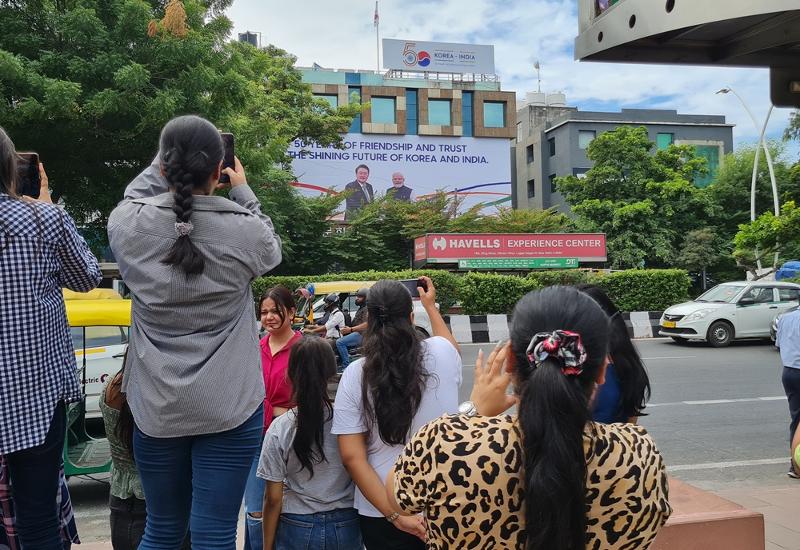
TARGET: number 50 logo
(411,57)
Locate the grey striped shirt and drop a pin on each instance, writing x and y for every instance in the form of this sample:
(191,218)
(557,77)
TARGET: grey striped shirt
(194,364)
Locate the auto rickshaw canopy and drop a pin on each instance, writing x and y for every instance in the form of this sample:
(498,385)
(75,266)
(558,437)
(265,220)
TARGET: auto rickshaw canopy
(99,307)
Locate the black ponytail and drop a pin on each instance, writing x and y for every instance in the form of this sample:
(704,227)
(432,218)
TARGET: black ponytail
(628,364)
(191,149)
(553,415)
(311,365)
(394,376)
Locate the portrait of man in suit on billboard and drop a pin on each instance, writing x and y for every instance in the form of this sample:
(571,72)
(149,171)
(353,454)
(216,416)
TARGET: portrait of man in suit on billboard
(360,190)
(398,190)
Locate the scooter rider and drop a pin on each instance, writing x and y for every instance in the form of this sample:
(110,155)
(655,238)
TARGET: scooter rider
(332,329)
(352,335)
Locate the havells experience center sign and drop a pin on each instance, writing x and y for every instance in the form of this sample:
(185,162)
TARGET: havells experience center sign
(437,57)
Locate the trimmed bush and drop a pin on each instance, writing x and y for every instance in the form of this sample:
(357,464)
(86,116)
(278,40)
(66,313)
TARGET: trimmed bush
(447,284)
(645,289)
(483,293)
(565,277)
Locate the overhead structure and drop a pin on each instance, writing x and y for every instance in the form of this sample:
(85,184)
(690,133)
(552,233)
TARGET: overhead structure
(734,33)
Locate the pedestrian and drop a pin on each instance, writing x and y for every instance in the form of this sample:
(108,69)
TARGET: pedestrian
(624,395)
(352,336)
(401,383)
(277,309)
(547,477)
(308,503)
(126,497)
(9,540)
(41,251)
(193,379)
(788,341)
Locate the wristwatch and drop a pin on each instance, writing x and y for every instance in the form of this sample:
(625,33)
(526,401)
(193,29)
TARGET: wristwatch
(393,517)
(468,408)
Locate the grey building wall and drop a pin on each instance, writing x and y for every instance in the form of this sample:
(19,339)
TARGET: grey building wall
(570,159)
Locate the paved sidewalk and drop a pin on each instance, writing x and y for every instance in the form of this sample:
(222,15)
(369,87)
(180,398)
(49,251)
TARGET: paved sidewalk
(780,506)
(781,509)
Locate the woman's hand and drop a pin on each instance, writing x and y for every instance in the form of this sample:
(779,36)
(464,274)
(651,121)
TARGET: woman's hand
(489,390)
(413,525)
(44,188)
(236,174)
(427,296)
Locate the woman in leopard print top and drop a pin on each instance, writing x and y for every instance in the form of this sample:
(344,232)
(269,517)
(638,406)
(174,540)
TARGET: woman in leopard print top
(549,478)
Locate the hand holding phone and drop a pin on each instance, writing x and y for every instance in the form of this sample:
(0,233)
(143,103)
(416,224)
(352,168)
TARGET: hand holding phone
(228,159)
(29,182)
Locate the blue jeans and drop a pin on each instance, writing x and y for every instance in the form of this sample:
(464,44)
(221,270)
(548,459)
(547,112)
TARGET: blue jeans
(198,482)
(254,502)
(334,530)
(34,475)
(352,340)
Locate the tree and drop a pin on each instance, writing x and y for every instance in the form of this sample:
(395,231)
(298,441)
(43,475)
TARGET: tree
(90,83)
(701,249)
(730,192)
(793,130)
(767,235)
(645,203)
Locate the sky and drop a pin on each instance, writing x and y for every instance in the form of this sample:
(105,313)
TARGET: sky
(340,34)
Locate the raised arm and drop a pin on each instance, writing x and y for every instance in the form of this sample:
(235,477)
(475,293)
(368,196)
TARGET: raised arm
(148,183)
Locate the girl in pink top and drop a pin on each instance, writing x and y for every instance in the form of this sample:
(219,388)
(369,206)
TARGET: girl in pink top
(277,310)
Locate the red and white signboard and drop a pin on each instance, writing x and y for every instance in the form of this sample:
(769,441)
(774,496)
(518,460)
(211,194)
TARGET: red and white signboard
(451,247)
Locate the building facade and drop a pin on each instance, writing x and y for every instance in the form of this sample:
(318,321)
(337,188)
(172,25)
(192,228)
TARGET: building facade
(552,140)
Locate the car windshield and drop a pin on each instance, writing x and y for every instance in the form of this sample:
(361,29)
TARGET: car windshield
(97,337)
(723,294)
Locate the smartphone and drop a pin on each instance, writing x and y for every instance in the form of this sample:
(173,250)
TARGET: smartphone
(28,180)
(413,284)
(227,160)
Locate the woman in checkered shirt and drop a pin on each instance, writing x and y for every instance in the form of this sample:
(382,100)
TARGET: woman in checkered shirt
(41,252)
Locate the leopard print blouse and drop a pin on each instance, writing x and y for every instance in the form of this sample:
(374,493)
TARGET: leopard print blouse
(465,475)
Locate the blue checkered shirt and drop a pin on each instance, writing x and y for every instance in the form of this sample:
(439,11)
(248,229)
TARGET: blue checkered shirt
(40,253)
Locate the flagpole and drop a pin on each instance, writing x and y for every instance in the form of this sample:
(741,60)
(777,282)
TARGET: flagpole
(377,38)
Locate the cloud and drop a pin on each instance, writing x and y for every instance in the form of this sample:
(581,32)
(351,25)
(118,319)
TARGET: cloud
(340,34)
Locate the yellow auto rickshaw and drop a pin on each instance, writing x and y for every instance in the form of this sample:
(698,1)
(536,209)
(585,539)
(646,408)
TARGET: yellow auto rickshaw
(99,322)
(309,299)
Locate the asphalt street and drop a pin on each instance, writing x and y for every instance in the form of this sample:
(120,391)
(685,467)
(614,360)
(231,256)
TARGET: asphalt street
(719,417)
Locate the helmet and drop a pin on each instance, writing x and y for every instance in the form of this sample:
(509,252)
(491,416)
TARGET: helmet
(331,299)
(362,292)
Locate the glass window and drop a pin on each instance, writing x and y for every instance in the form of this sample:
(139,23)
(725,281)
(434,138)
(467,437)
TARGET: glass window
(552,143)
(760,294)
(585,137)
(333,100)
(412,116)
(466,114)
(664,140)
(383,110)
(553,187)
(439,112)
(355,97)
(494,114)
(529,152)
(788,295)
(97,337)
(724,293)
(531,188)
(711,154)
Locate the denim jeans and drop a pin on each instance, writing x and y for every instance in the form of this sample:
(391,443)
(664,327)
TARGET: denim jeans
(34,475)
(128,517)
(791,385)
(352,340)
(334,530)
(196,482)
(254,502)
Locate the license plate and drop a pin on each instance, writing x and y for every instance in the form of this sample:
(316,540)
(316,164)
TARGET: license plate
(669,324)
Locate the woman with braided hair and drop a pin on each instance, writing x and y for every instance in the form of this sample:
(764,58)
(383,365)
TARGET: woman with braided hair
(545,478)
(193,379)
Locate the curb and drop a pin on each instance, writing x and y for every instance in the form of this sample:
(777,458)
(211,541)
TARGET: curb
(483,329)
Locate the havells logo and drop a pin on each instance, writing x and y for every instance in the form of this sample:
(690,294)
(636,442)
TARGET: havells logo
(439,243)
(412,57)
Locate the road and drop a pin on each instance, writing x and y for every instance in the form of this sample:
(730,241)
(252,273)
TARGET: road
(719,417)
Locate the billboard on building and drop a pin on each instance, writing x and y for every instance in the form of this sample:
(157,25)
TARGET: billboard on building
(409,167)
(439,57)
(451,248)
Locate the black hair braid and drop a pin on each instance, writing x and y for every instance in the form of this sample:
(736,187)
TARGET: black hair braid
(182,176)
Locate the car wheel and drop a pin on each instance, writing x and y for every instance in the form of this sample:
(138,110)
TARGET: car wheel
(720,334)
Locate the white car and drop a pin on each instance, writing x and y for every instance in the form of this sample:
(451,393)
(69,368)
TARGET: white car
(729,312)
(105,348)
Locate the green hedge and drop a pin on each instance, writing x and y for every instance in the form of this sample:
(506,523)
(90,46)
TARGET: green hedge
(484,293)
(447,284)
(646,289)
